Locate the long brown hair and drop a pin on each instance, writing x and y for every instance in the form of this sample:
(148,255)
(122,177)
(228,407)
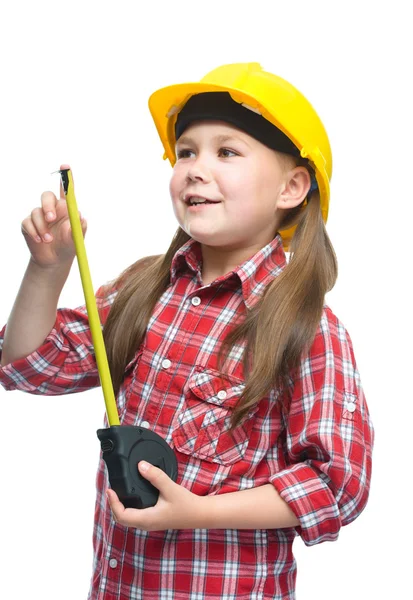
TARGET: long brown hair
(287,315)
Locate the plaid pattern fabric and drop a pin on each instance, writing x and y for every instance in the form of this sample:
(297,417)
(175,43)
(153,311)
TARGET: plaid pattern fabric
(318,457)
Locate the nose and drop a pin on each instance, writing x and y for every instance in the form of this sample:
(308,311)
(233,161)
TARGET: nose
(198,170)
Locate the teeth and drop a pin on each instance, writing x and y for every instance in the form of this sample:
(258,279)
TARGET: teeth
(197,200)
(194,200)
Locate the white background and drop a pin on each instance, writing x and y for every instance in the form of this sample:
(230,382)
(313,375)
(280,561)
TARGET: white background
(75,79)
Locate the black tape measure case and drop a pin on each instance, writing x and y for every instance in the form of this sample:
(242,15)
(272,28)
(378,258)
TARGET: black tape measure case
(123,447)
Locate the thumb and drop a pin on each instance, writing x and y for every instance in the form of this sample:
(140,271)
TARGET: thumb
(155,476)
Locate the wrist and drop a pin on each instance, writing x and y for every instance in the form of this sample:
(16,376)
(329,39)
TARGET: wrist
(46,273)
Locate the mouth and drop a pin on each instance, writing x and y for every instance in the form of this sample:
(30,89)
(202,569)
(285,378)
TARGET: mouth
(192,200)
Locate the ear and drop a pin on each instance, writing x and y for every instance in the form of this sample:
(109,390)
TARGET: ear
(297,185)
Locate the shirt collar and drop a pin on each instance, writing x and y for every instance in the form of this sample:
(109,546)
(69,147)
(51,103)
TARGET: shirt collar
(254,274)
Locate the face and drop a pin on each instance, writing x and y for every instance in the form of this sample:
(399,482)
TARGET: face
(240,179)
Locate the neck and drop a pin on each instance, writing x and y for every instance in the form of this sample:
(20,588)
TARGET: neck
(217,262)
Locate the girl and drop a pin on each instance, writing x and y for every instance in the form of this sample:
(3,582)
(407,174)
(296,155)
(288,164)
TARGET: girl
(220,347)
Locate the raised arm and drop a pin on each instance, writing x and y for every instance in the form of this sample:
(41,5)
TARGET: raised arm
(48,236)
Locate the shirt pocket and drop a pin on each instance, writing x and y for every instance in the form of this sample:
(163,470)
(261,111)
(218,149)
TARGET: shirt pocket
(202,428)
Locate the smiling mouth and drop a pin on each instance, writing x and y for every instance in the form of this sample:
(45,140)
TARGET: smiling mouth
(200,201)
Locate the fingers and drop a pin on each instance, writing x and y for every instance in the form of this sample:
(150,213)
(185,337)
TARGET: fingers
(42,216)
(116,505)
(39,224)
(128,517)
(36,226)
(49,202)
(28,229)
(176,508)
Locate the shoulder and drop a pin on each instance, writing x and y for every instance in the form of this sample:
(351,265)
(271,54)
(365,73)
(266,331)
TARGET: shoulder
(331,325)
(332,338)
(329,364)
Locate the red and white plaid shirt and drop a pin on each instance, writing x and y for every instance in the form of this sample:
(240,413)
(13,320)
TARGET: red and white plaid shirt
(318,457)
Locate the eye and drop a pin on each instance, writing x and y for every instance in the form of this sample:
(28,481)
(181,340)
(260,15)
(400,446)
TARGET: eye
(227,153)
(184,153)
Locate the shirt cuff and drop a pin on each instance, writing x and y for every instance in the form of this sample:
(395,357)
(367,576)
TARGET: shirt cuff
(312,502)
(17,374)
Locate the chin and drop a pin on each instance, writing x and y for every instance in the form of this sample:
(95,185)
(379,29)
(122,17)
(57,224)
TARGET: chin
(213,241)
(201,236)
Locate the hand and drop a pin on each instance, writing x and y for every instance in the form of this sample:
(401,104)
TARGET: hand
(177,507)
(51,219)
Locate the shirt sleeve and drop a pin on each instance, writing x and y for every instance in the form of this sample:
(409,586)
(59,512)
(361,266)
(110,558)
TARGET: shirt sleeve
(65,362)
(329,438)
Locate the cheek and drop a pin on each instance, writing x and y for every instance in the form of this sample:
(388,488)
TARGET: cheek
(178,180)
(174,187)
(242,190)
(266,189)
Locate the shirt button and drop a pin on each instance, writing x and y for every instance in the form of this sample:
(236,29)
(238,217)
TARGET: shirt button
(166,363)
(113,563)
(351,407)
(196,301)
(222,394)
(145,424)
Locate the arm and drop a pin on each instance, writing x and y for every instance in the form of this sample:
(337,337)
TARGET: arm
(39,342)
(48,236)
(65,361)
(178,508)
(329,438)
(34,312)
(256,508)
(44,350)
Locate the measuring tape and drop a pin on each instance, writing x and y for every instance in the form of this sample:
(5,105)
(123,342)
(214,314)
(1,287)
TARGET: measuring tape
(123,446)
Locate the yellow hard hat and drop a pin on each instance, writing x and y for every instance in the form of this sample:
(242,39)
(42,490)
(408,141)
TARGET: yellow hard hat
(269,95)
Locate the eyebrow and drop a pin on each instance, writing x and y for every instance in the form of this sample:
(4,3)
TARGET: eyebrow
(221,139)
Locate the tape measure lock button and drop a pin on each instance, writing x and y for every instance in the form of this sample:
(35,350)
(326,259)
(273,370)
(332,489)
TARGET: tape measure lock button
(107,446)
